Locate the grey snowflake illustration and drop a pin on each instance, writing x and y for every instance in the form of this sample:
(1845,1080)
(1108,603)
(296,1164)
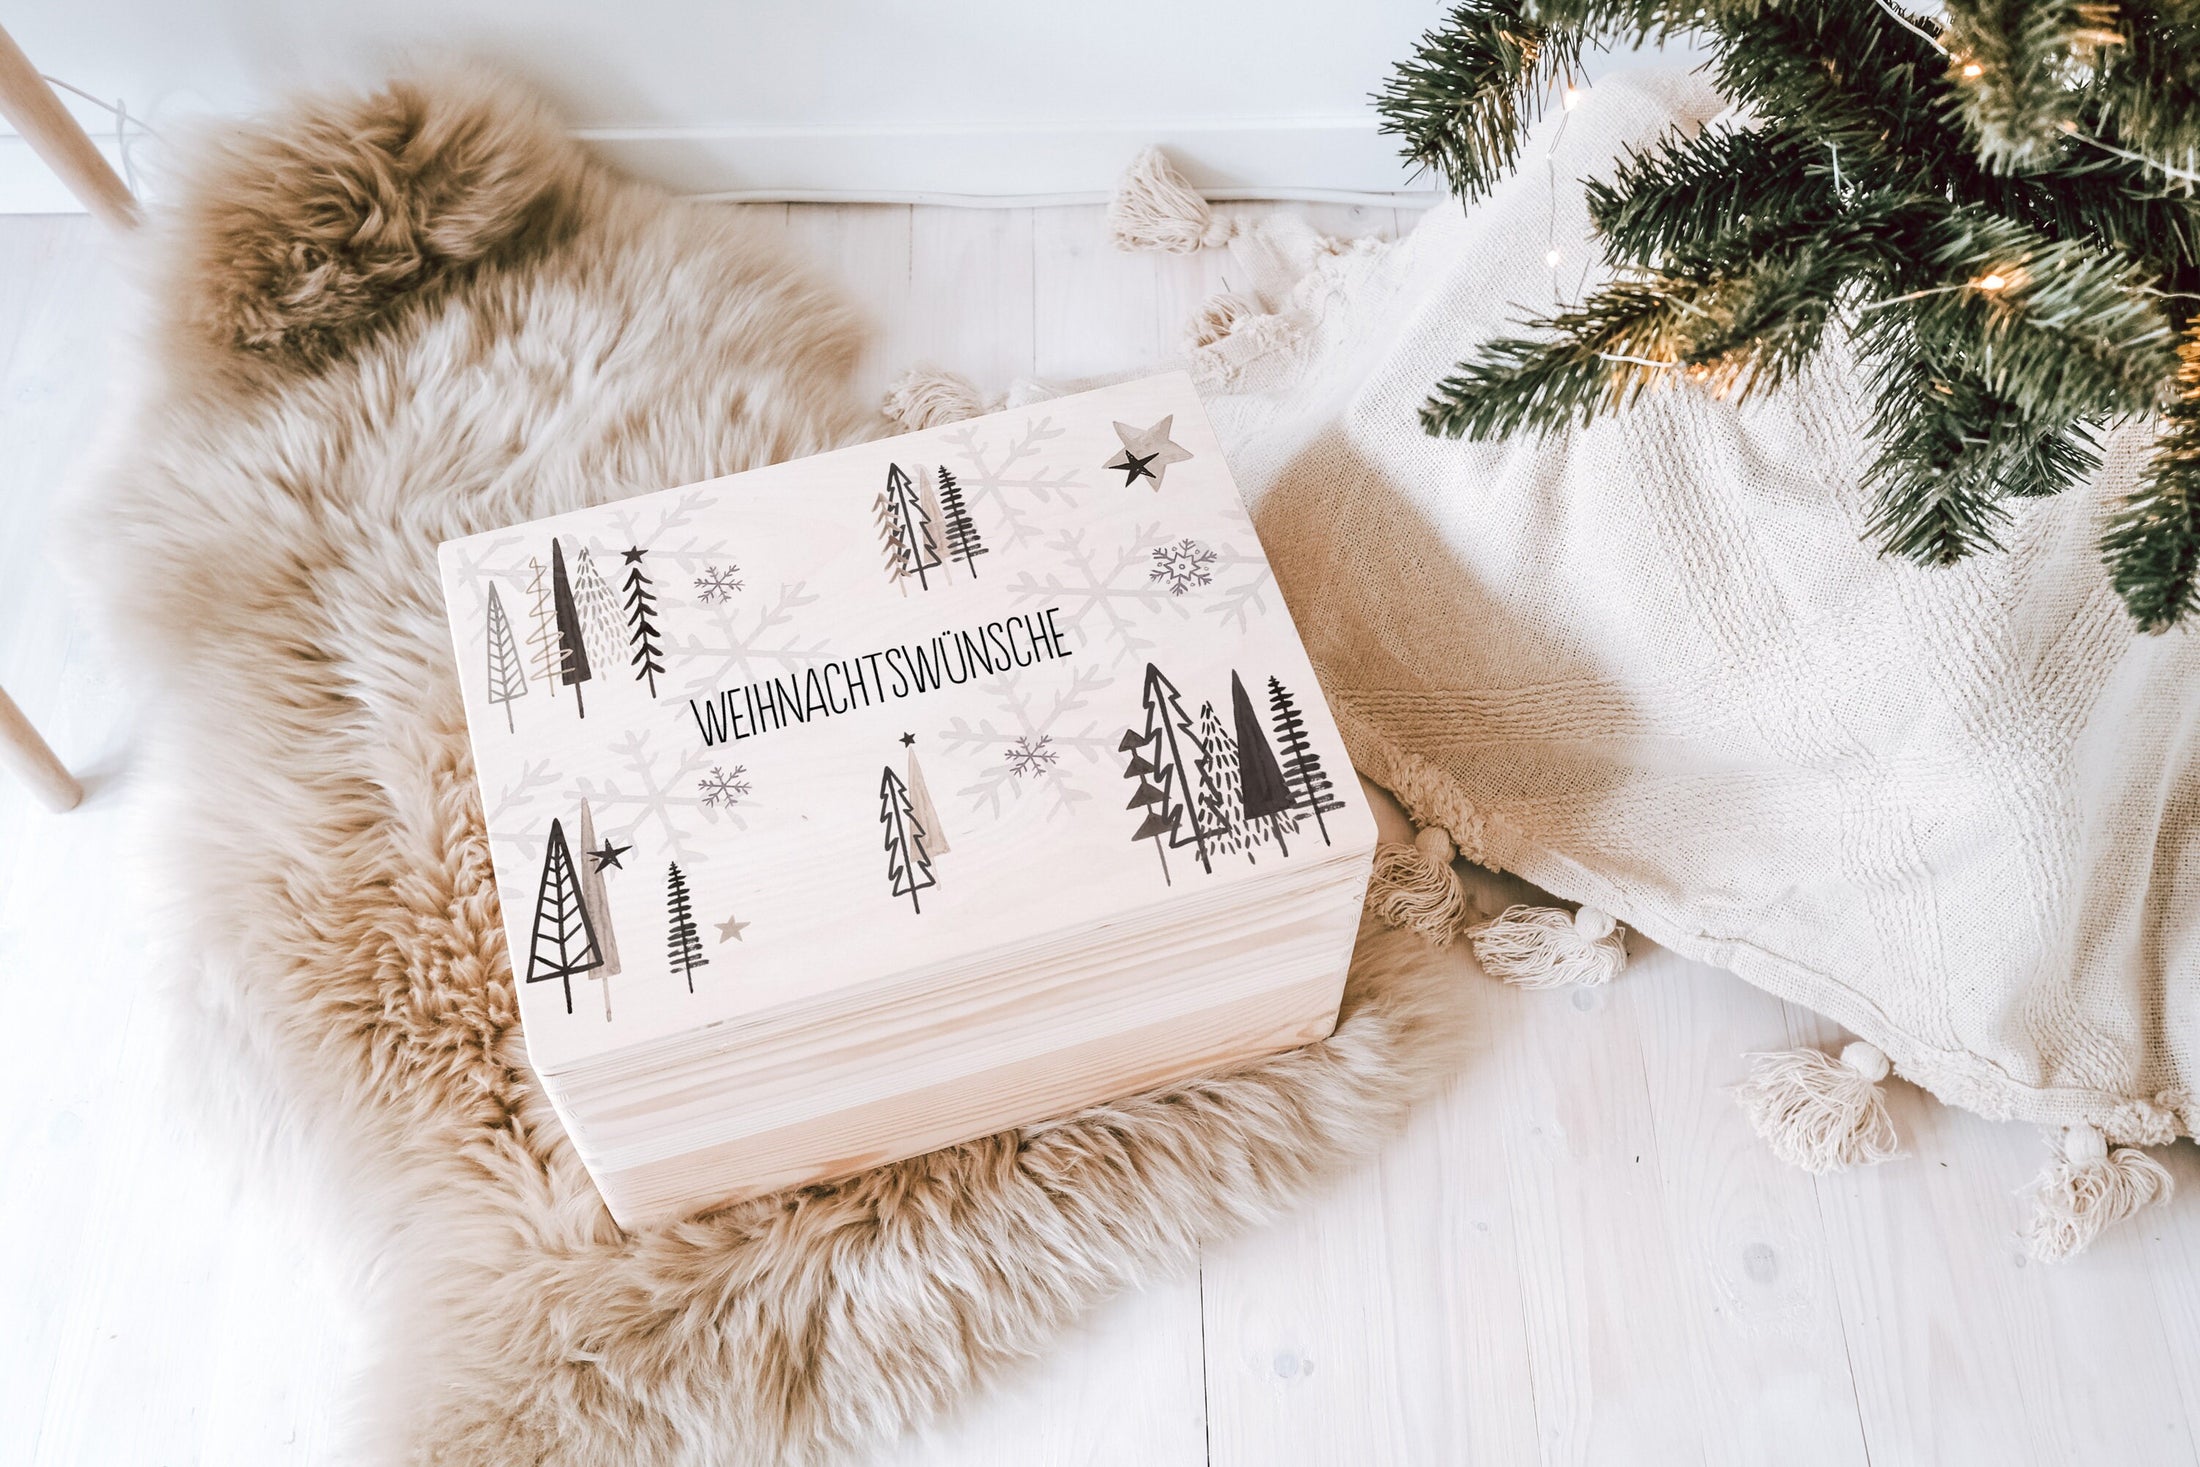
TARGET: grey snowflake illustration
(1245,575)
(717,583)
(1001,479)
(1031,755)
(1099,591)
(741,643)
(666,531)
(511,821)
(1185,566)
(653,790)
(723,788)
(477,565)
(1059,722)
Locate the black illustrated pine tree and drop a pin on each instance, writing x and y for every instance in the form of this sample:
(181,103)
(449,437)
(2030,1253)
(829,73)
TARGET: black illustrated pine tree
(1156,826)
(1227,830)
(542,637)
(911,527)
(1169,730)
(908,864)
(641,622)
(572,647)
(1301,765)
(598,904)
(683,945)
(507,676)
(962,541)
(934,522)
(1995,207)
(564,942)
(1265,799)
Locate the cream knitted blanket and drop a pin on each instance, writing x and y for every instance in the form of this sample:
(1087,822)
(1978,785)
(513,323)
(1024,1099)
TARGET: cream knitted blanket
(1654,666)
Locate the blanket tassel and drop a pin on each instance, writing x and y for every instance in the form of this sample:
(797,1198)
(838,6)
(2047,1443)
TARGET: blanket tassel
(1820,1113)
(1153,208)
(2088,1186)
(931,397)
(1549,947)
(1414,886)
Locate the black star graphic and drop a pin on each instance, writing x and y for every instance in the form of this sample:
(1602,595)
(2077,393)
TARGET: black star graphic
(907,739)
(1134,467)
(634,556)
(608,857)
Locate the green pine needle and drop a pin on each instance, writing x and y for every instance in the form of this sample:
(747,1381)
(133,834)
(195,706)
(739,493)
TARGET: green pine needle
(1542,386)
(2003,216)
(2017,68)
(2153,548)
(1465,100)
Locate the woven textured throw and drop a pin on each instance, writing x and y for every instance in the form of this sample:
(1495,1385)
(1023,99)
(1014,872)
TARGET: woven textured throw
(1655,667)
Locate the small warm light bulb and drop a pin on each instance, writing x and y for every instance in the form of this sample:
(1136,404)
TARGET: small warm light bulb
(1551,259)
(1573,96)
(1973,69)
(1991,282)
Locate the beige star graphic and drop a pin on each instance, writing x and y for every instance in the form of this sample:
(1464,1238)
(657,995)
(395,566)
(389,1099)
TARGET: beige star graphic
(1147,454)
(730,929)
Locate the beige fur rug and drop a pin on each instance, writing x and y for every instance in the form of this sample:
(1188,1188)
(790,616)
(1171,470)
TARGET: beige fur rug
(380,323)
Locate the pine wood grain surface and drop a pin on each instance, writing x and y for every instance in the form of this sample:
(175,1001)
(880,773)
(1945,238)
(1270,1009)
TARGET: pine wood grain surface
(1580,1255)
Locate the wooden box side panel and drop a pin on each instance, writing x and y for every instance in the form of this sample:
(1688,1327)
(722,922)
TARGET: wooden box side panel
(1053,1084)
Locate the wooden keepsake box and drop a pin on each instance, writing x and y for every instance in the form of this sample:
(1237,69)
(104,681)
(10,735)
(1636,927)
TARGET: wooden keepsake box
(849,808)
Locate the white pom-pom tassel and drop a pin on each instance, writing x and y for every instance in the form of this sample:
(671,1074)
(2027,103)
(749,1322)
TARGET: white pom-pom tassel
(1155,209)
(1549,947)
(927,397)
(1820,1113)
(2087,1187)
(1414,886)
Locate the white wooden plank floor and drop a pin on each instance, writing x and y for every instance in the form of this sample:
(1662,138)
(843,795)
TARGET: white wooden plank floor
(1579,1255)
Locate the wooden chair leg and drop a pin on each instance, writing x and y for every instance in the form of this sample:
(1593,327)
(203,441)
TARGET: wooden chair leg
(22,750)
(38,116)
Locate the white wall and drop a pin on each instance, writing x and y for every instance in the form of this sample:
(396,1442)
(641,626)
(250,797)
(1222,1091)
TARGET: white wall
(872,98)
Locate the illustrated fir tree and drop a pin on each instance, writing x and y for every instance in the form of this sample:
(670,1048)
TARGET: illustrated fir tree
(597,902)
(1998,211)
(507,677)
(908,864)
(684,946)
(542,638)
(572,647)
(564,940)
(641,622)
(1264,797)
(602,622)
(962,541)
(1218,787)
(1169,730)
(1302,766)
(928,817)
(888,520)
(906,510)
(934,523)
(1156,826)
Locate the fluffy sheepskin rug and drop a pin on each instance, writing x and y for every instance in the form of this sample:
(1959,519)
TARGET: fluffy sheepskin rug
(381,322)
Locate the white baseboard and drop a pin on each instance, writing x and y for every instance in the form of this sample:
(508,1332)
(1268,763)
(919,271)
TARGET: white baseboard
(1341,158)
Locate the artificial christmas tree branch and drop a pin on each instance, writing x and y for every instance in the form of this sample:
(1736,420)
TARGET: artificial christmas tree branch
(1999,215)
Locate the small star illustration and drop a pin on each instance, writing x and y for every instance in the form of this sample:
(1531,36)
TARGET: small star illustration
(607,859)
(634,556)
(1146,454)
(730,929)
(907,739)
